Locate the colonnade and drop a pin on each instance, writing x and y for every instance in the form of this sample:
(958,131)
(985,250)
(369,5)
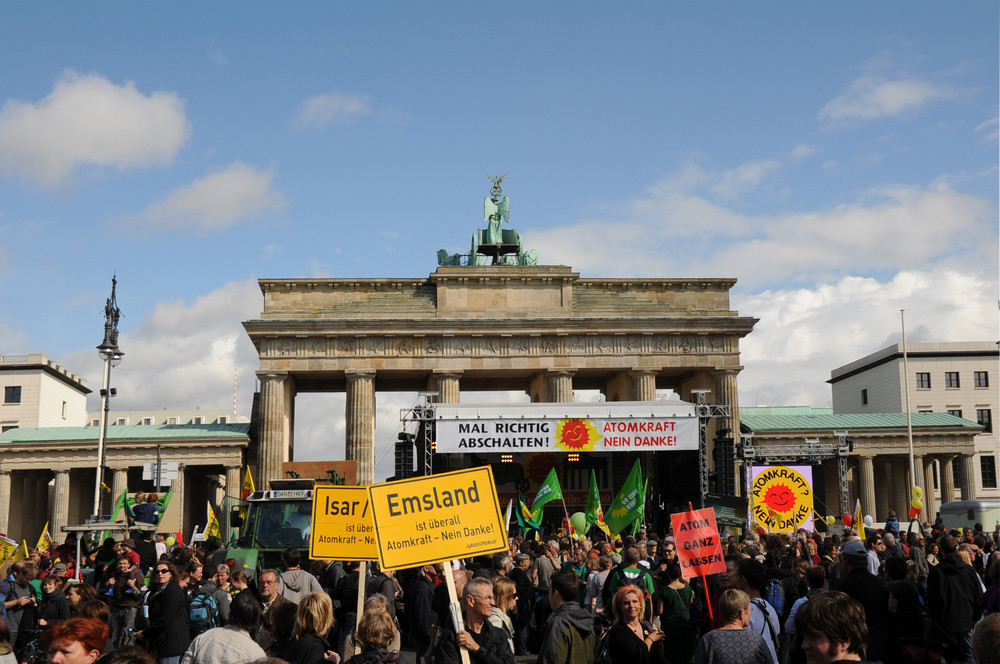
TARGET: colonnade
(884,482)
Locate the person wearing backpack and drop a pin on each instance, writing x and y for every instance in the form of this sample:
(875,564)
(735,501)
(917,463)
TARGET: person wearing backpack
(203,612)
(127,585)
(221,596)
(751,578)
(628,573)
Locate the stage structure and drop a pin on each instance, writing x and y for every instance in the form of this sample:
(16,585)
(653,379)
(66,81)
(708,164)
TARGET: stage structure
(510,325)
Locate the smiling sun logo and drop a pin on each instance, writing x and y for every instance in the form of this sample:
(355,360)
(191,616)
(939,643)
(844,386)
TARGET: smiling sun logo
(782,499)
(576,436)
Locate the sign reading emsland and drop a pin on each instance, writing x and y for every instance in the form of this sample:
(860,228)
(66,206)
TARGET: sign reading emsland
(426,520)
(342,524)
(699,548)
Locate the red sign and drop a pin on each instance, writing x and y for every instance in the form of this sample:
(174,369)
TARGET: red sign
(699,547)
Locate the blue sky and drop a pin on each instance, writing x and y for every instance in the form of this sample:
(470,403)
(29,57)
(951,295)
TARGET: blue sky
(840,160)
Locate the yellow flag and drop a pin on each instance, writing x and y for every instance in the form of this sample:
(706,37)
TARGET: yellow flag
(21,553)
(7,548)
(859,522)
(248,487)
(212,529)
(45,539)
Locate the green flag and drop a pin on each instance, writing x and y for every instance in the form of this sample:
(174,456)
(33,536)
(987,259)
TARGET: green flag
(593,501)
(524,516)
(549,491)
(627,505)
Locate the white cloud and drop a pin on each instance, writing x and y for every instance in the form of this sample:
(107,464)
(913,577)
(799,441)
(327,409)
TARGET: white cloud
(991,129)
(803,150)
(805,333)
(182,355)
(88,121)
(676,229)
(743,179)
(871,97)
(214,202)
(330,108)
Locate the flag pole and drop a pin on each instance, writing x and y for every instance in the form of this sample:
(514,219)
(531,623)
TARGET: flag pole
(704,581)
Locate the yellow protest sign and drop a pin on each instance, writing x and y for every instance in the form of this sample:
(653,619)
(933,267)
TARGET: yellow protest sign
(342,525)
(426,520)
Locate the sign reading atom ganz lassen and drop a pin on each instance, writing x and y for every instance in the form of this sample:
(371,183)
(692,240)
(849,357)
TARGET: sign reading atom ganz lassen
(426,520)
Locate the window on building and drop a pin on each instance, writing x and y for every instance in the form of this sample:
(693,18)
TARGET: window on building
(981,378)
(984,417)
(988,470)
(171,420)
(924,409)
(147,421)
(121,421)
(923,380)
(12,394)
(64,410)
(864,397)
(223,420)
(951,379)
(4,428)
(198,420)
(95,423)
(957,412)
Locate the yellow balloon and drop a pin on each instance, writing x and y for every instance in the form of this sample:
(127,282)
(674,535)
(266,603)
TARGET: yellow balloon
(830,520)
(170,541)
(917,504)
(917,492)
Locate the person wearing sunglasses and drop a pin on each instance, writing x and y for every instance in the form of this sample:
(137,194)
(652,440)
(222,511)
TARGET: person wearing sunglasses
(167,634)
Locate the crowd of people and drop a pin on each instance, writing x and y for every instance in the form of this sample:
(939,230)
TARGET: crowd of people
(925,595)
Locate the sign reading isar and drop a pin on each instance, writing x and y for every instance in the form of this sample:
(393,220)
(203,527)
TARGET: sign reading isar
(342,524)
(426,520)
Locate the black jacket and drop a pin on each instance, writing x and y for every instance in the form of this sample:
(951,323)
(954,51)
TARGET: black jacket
(493,647)
(953,592)
(168,632)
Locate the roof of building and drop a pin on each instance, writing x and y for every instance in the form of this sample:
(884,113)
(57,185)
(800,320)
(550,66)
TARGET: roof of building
(805,418)
(134,432)
(894,352)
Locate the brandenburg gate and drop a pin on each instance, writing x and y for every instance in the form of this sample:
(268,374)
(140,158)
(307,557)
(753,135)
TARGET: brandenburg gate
(508,325)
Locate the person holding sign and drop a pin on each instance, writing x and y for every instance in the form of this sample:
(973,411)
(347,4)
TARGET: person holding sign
(485,643)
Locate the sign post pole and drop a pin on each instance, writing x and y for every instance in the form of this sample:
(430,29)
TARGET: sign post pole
(699,548)
(456,610)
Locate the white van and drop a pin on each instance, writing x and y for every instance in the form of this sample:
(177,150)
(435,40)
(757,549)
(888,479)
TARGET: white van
(967,513)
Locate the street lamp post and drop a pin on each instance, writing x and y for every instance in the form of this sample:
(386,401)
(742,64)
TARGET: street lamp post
(112,356)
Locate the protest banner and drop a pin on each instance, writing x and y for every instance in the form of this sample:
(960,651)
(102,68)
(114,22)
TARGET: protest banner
(699,548)
(342,524)
(425,520)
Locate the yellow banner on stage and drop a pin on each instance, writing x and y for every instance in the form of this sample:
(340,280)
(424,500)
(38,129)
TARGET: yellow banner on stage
(426,520)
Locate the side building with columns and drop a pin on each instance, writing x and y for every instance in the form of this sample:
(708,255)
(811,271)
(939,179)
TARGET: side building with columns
(542,330)
(49,473)
(878,464)
(958,378)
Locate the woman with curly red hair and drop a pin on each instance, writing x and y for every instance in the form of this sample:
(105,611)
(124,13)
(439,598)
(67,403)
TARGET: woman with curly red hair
(76,641)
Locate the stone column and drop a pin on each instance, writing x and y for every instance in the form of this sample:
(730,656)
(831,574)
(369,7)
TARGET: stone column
(947,479)
(234,482)
(5,501)
(643,385)
(178,488)
(726,393)
(560,385)
(361,423)
(968,470)
(60,504)
(16,513)
(119,483)
(866,485)
(930,500)
(275,425)
(447,384)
